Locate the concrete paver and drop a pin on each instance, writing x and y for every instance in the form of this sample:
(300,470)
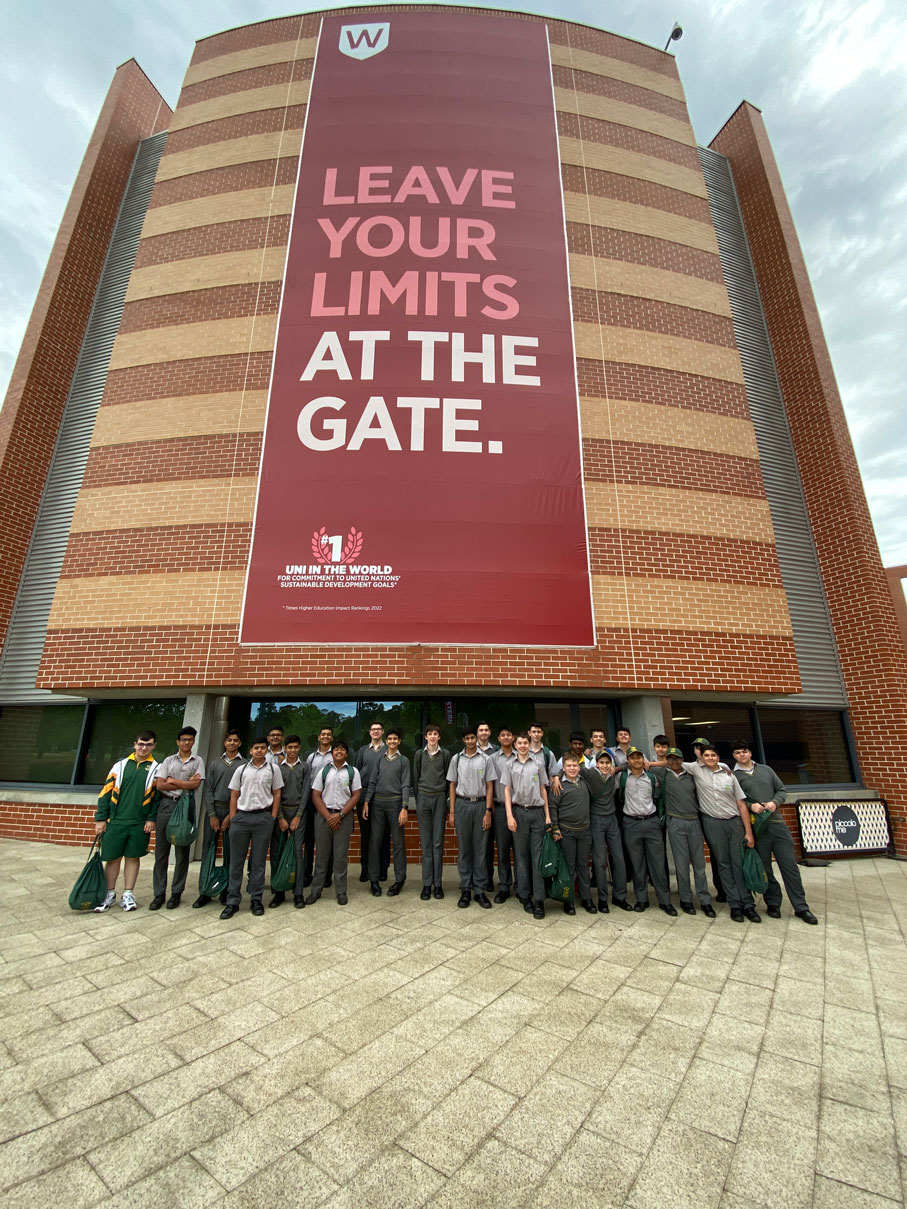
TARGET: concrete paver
(409,1054)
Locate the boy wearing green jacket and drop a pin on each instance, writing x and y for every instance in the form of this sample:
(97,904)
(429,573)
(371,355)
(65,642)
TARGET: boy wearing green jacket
(124,818)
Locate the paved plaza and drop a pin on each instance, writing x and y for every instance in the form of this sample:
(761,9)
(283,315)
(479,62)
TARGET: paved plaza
(399,1053)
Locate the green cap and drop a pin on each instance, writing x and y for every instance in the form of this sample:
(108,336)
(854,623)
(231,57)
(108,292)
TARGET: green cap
(675,751)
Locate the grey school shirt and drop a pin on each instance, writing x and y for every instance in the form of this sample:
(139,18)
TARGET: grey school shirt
(525,779)
(174,767)
(760,784)
(470,774)
(570,808)
(217,781)
(500,761)
(391,780)
(601,791)
(639,801)
(256,785)
(719,791)
(430,771)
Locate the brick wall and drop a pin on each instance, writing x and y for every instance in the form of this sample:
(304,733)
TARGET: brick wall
(33,407)
(872,656)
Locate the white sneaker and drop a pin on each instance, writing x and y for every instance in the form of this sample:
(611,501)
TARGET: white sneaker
(127,901)
(108,901)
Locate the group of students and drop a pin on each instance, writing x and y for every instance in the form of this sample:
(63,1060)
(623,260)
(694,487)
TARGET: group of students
(610,808)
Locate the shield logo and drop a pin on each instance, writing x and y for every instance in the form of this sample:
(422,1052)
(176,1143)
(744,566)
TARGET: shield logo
(363,41)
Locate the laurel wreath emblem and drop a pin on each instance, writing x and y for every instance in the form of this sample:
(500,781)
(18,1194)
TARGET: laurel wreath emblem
(351,548)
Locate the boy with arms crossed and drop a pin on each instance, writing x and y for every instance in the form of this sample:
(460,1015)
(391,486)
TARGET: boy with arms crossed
(525,782)
(471,777)
(637,793)
(366,758)
(430,783)
(124,818)
(685,833)
(606,837)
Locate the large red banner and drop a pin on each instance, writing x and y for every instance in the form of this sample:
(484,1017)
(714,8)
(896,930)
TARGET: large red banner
(421,471)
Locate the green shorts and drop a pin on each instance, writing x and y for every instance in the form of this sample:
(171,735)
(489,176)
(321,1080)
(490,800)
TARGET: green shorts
(124,839)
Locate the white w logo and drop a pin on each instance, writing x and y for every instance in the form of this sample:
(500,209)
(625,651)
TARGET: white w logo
(363,41)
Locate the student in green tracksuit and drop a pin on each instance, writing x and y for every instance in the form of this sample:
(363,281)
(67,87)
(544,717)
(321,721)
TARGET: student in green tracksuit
(124,817)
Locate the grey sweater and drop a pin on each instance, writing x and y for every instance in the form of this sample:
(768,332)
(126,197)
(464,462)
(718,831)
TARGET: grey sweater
(761,785)
(570,808)
(390,780)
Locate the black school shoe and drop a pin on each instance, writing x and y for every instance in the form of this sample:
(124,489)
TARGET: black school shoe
(502,896)
(156,903)
(640,907)
(228,912)
(483,901)
(528,905)
(736,915)
(622,903)
(807,916)
(603,907)
(668,908)
(709,911)
(394,890)
(257,907)
(752,915)
(588,905)
(376,890)
(569,909)
(426,894)
(439,891)
(202,901)
(538,911)
(278,899)
(773,912)
(298,901)
(174,901)
(688,908)
(465,899)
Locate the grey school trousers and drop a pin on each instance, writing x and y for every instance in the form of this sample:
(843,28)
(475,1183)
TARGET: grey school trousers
(577,847)
(162,853)
(527,844)
(646,846)
(724,838)
(255,826)
(468,819)
(685,838)
(431,815)
(384,817)
(328,843)
(606,838)
(778,842)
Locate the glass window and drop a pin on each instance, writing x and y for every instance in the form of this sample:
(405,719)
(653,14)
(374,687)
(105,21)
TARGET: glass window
(594,715)
(404,716)
(556,719)
(515,712)
(806,746)
(722,725)
(303,718)
(39,743)
(114,725)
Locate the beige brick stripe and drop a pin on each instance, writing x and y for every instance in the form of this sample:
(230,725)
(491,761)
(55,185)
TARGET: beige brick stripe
(607,158)
(275,96)
(214,338)
(151,505)
(206,272)
(216,208)
(682,604)
(643,281)
(641,220)
(256,56)
(675,427)
(273,145)
(605,109)
(616,69)
(671,510)
(181,416)
(651,348)
(105,601)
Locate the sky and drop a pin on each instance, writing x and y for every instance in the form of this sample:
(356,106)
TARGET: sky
(830,79)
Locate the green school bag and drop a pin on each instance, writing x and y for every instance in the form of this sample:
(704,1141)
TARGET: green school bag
(753,869)
(562,882)
(550,856)
(212,877)
(90,889)
(181,829)
(760,822)
(283,874)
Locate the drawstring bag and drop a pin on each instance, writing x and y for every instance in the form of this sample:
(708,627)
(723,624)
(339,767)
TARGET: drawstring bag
(562,882)
(213,878)
(181,829)
(550,856)
(753,869)
(90,889)
(283,874)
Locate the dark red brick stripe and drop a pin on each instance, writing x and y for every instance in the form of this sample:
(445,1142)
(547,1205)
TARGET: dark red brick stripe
(627,246)
(211,456)
(245,81)
(157,550)
(245,37)
(194,376)
(594,130)
(240,126)
(669,659)
(196,306)
(648,384)
(257,174)
(665,555)
(661,466)
(597,183)
(616,90)
(650,315)
(243,235)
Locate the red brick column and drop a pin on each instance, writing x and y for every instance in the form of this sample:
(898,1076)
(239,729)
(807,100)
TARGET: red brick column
(862,612)
(31,414)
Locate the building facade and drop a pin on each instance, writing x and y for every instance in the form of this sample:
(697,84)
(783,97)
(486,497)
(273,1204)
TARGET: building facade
(735,581)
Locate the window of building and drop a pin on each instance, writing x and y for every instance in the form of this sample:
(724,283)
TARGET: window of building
(40,743)
(806,746)
(112,727)
(722,725)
